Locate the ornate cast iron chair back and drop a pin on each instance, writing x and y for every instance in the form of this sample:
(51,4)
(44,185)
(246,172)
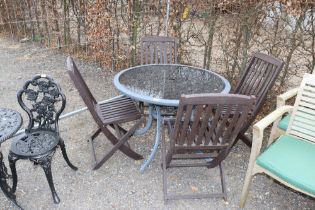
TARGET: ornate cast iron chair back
(43,101)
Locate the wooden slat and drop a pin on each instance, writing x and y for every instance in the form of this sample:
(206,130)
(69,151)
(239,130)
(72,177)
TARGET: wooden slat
(204,124)
(232,124)
(222,125)
(261,74)
(183,134)
(120,112)
(214,122)
(177,126)
(195,124)
(249,77)
(117,108)
(158,48)
(269,74)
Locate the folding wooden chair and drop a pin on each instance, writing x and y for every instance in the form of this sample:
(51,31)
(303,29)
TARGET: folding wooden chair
(158,50)
(258,78)
(206,126)
(108,115)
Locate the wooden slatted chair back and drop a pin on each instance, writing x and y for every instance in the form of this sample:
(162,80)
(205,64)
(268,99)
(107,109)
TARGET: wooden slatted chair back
(83,89)
(259,77)
(158,50)
(302,120)
(210,122)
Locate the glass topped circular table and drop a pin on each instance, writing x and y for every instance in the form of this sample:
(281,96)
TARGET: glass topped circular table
(10,123)
(162,85)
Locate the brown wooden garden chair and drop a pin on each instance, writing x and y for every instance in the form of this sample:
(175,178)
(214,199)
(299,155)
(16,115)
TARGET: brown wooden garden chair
(258,78)
(206,126)
(108,116)
(158,50)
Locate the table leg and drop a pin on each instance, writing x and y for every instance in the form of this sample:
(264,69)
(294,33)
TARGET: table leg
(157,138)
(142,131)
(6,189)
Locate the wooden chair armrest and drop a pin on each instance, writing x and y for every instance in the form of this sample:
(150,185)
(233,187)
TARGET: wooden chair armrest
(281,99)
(260,126)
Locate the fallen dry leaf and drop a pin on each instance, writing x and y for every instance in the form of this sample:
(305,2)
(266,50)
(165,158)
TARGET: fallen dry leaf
(194,188)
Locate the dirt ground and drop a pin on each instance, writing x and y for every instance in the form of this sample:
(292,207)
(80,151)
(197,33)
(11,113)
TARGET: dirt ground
(118,184)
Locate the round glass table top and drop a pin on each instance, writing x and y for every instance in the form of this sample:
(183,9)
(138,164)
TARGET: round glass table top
(163,84)
(10,122)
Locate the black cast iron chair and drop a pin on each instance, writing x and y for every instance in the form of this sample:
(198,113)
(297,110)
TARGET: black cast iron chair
(43,101)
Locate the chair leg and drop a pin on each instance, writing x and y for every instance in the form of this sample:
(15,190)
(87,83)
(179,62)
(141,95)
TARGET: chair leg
(45,163)
(246,186)
(275,133)
(65,156)
(120,132)
(124,148)
(245,139)
(122,141)
(223,182)
(163,148)
(12,161)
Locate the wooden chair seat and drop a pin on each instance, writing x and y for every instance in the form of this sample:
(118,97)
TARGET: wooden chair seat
(119,110)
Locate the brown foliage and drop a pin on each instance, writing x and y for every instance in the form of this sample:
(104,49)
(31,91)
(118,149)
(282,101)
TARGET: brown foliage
(213,34)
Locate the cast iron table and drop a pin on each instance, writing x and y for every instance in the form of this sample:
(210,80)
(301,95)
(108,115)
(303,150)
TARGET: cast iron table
(10,122)
(161,85)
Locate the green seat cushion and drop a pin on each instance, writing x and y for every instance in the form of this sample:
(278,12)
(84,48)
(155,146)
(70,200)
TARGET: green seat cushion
(292,160)
(284,122)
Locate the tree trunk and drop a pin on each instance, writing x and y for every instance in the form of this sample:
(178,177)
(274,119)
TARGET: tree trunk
(44,17)
(293,46)
(29,7)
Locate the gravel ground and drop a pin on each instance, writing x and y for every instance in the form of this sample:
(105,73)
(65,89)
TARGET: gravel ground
(118,183)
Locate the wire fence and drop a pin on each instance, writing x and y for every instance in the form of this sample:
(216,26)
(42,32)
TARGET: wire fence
(211,34)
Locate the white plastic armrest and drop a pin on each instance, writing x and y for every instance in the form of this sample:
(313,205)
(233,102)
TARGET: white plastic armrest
(272,117)
(281,99)
(259,127)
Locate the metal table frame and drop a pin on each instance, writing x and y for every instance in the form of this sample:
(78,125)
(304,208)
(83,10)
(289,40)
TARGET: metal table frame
(155,105)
